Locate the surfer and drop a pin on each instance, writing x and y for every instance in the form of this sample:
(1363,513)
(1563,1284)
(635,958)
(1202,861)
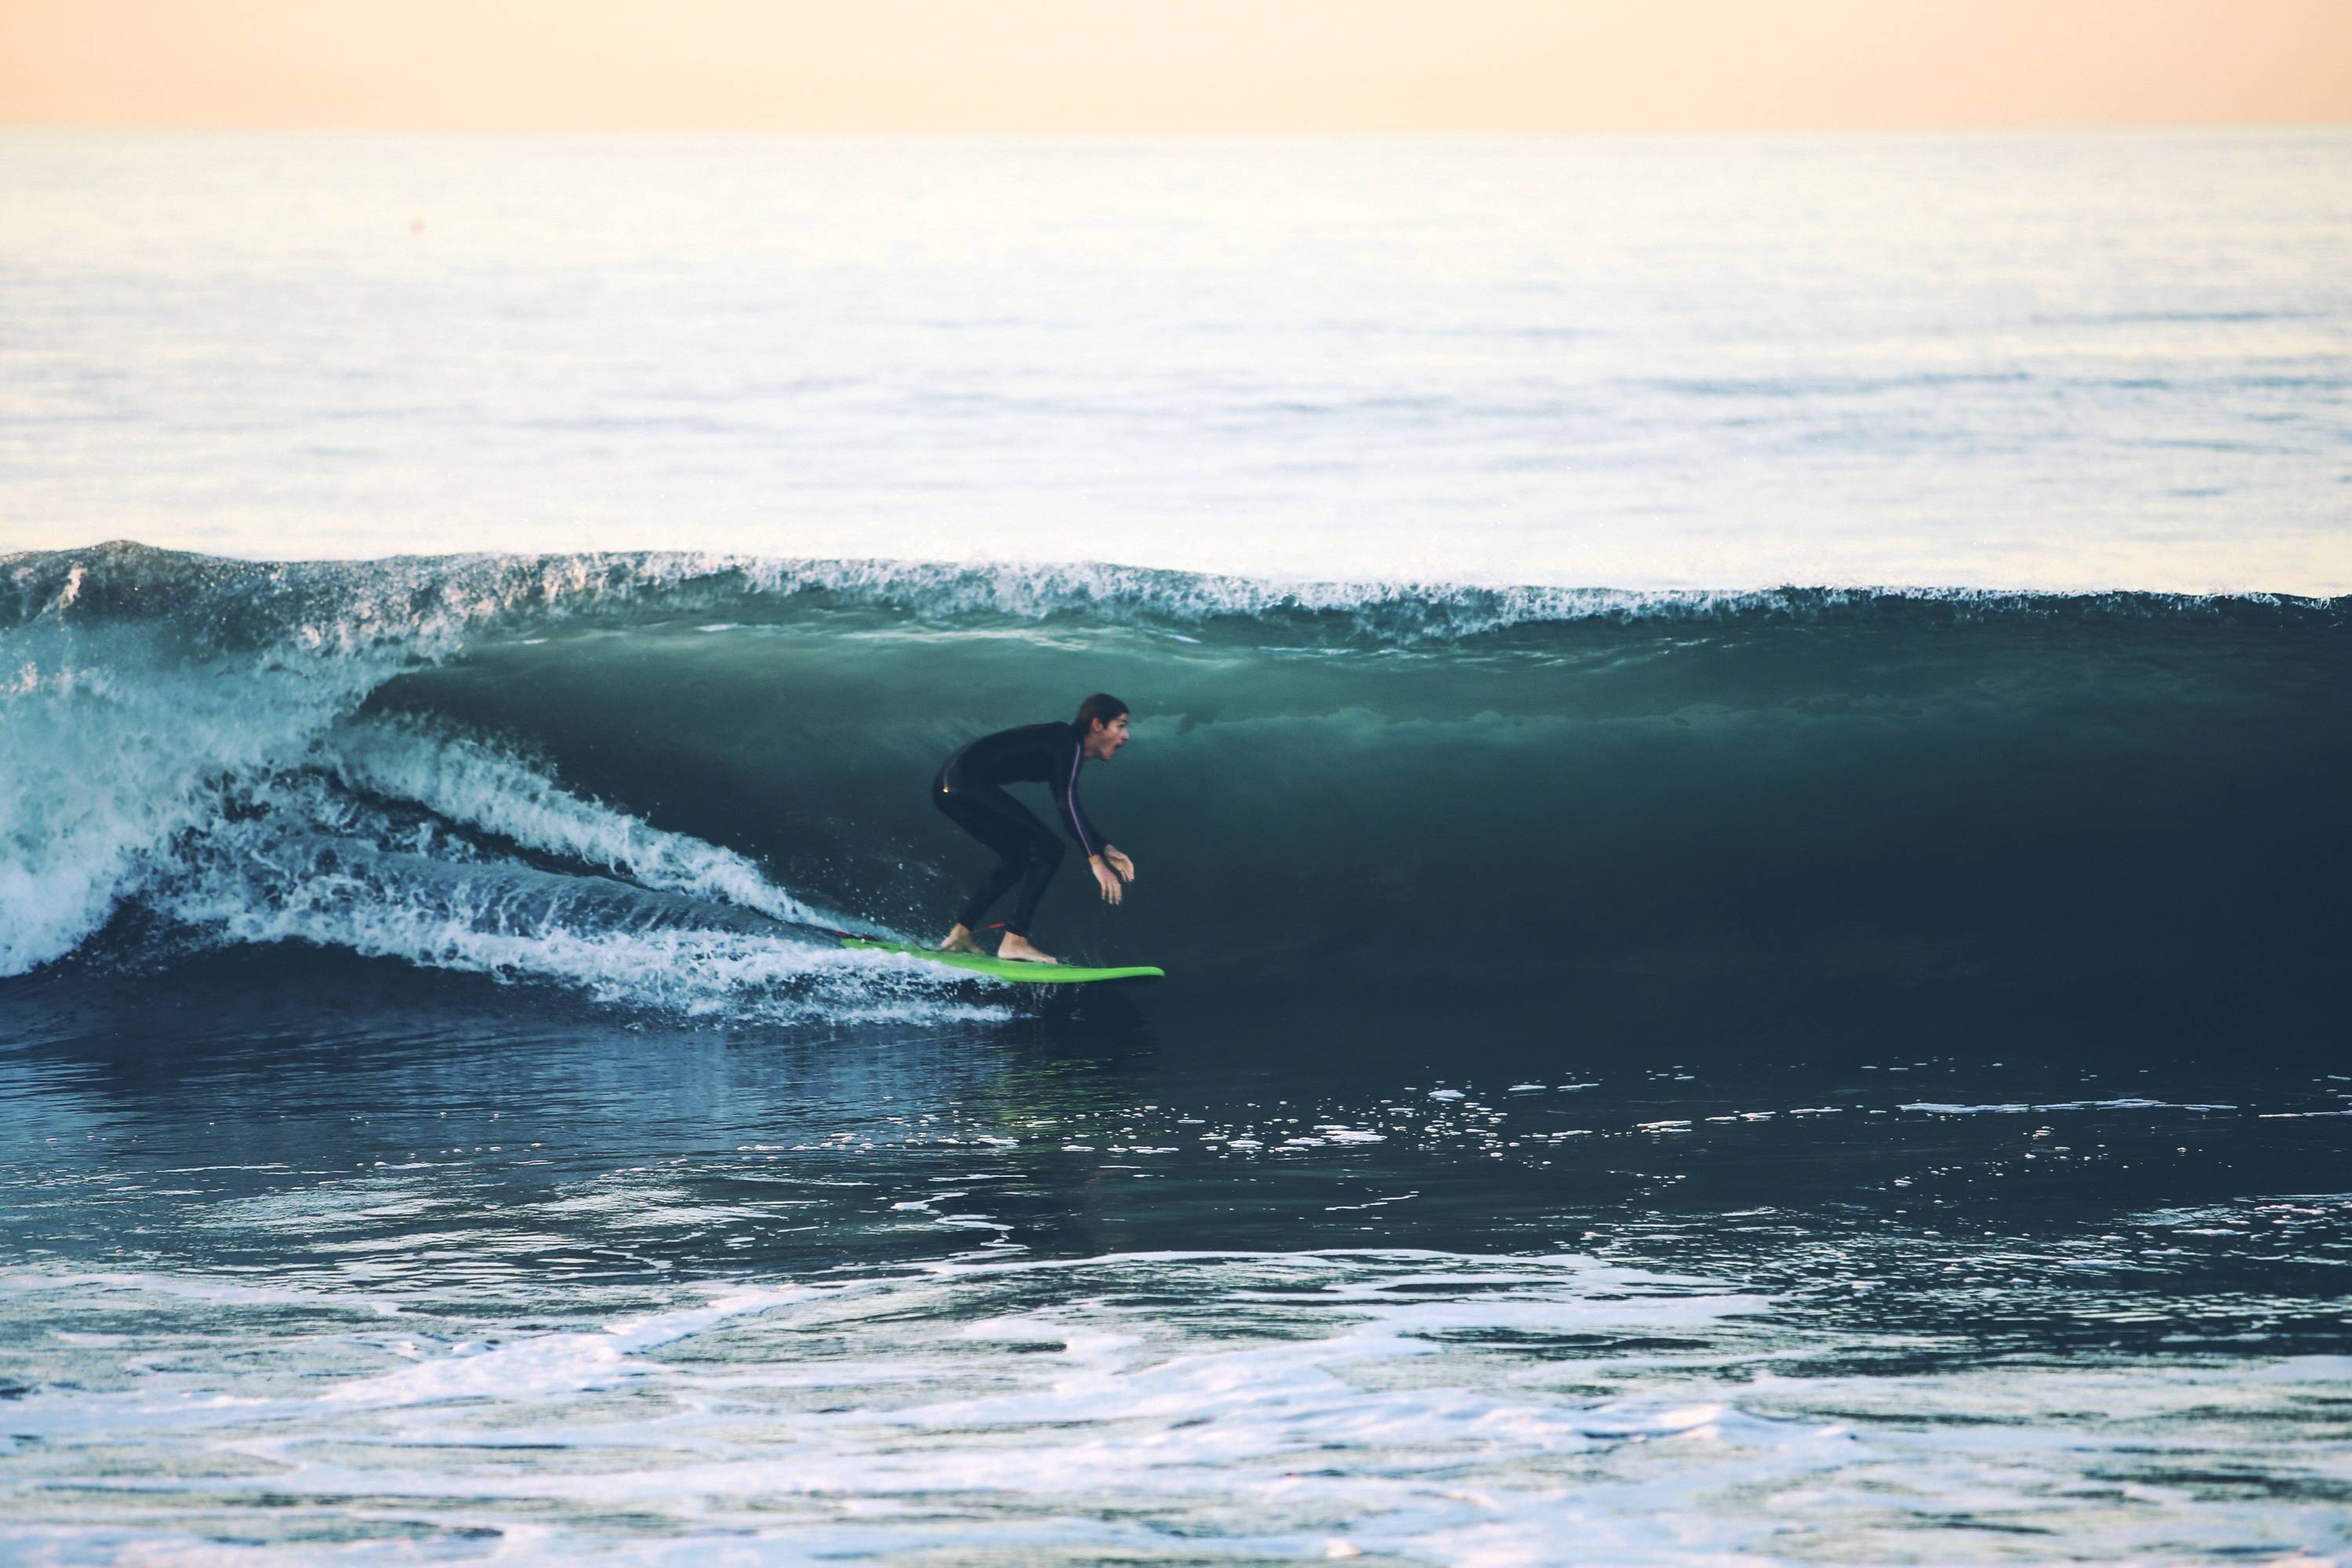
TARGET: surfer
(970,789)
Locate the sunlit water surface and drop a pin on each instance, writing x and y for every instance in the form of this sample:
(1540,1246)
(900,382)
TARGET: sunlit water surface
(2057,360)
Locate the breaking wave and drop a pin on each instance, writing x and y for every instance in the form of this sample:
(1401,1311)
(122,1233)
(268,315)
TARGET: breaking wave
(659,781)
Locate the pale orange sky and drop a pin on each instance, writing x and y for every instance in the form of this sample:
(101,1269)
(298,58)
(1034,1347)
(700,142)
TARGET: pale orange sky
(1172,65)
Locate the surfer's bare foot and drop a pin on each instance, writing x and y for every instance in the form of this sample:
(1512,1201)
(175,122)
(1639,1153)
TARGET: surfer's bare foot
(1018,947)
(959,940)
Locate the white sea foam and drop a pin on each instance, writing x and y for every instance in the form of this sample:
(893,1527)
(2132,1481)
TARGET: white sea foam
(1436,1407)
(482,786)
(106,758)
(1165,1409)
(313,866)
(126,737)
(1400,608)
(2014,1107)
(201,755)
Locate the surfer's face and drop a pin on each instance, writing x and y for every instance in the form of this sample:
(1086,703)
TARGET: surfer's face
(1104,740)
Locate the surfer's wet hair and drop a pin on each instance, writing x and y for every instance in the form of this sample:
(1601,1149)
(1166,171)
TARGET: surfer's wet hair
(1099,709)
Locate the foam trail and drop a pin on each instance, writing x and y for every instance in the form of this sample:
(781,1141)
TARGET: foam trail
(166,720)
(482,786)
(307,864)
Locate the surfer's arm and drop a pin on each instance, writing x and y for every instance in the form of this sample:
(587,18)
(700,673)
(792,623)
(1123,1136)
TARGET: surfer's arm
(1074,816)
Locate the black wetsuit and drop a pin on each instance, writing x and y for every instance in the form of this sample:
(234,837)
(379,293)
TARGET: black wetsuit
(970,789)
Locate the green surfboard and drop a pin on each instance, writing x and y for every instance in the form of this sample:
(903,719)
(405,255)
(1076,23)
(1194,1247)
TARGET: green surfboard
(1007,968)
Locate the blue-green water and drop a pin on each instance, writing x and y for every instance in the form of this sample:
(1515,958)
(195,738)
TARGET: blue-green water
(1670,1051)
(1808,1076)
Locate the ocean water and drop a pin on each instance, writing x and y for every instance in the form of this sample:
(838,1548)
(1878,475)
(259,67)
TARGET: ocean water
(1739,770)
(2090,361)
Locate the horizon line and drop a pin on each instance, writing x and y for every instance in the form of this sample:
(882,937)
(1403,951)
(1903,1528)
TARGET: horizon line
(1172,133)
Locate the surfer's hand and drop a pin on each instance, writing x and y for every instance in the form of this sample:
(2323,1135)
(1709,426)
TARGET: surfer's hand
(1107,880)
(1119,862)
